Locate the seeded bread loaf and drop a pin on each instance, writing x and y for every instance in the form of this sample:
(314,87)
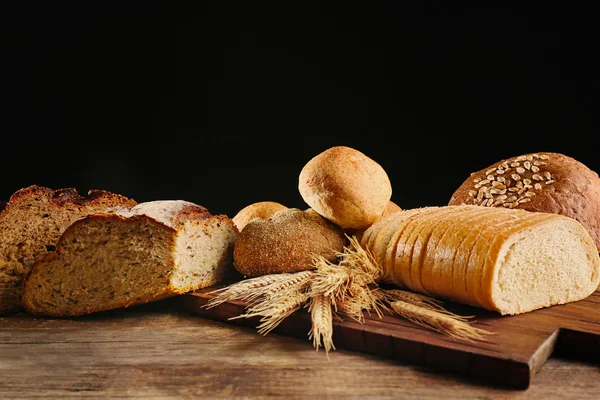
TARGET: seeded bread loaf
(505,260)
(544,182)
(287,241)
(32,222)
(345,186)
(135,255)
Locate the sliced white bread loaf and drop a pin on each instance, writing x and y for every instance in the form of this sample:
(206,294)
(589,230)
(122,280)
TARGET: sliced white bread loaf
(505,260)
(31,223)
(152,251)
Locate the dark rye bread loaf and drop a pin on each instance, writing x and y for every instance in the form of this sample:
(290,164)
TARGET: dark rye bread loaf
(135,255)
(30,225)
(544,182)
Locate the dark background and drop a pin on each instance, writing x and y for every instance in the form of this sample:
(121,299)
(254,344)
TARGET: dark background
(223,104)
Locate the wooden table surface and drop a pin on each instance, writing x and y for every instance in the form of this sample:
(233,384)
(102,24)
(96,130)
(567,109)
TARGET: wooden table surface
(161,351)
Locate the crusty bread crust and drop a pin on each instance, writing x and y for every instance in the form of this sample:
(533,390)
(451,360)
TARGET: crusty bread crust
(559,184)
(61,197)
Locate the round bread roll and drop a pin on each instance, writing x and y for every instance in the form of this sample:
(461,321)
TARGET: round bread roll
(286,242)
(543,182)
(346,187)
(261,209)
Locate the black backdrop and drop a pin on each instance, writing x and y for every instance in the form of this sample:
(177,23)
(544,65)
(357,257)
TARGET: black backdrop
(222,104)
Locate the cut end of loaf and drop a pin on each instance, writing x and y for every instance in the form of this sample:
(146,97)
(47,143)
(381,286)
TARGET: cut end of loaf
(554,262)
(203,255)
(106,261)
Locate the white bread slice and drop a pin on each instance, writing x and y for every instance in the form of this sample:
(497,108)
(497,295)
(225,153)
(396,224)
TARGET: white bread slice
(136,255)
(476,242)
(382,243)
(490,238)
(421,246)
(439,259)
(390,251)
(400,267)
(406,243)
(31,223)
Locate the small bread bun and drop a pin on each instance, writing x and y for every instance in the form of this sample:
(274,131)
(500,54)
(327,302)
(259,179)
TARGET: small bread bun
(542,182)
(261,209)
(286,242)
(346,187)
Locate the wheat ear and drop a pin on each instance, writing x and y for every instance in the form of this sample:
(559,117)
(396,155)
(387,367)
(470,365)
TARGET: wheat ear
(249,290)
(441,322)
(272,314)
(322,323)
(430,303)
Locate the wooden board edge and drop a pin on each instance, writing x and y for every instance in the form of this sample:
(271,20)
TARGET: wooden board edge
(486,368)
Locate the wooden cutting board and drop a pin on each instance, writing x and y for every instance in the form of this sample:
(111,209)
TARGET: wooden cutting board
(510,357)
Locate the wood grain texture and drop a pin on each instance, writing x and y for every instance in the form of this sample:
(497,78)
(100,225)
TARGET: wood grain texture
(162,351)
(511,357)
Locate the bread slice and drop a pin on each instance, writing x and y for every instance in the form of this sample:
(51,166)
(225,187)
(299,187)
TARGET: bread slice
(481,234)
(390,251)
(446,252)
(31,223)
(154,250)
(404,247)
(513,223)
(381,242)
(437,262)
(421,246)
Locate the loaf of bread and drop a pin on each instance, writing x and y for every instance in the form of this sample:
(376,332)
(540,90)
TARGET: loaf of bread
(287,241)
(134,255)
(543,182)
(31,223)
(506,260)
(346,187)
(261,209)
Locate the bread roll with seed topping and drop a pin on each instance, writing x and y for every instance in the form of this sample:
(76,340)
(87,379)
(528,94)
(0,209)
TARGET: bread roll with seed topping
(544,182)
(286,242)
(261,209)
(346,187)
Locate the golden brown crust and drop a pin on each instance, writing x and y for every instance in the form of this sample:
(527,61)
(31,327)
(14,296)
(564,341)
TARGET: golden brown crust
(60,197)
(557,184)
(286,242)
(261,209)
(346,187)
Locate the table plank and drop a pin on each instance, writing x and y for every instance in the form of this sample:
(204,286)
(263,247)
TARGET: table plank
(161,351)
